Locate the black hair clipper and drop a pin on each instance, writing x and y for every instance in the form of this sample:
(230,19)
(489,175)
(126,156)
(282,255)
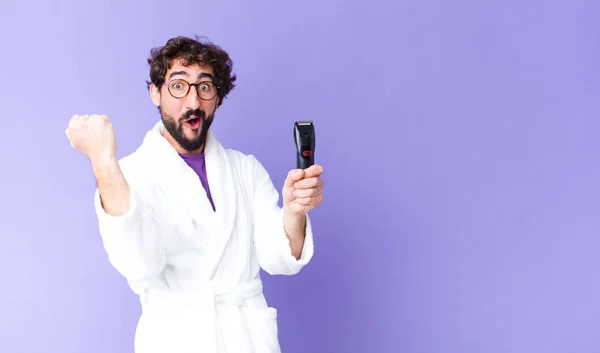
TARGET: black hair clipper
(304,136)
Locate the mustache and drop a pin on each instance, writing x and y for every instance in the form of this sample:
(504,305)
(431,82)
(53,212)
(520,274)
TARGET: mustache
(197,113)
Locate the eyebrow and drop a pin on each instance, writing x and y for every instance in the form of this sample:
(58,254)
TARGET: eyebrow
(205,74)
(183,73)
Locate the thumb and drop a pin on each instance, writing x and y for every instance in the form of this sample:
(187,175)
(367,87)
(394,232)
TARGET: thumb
(293,176)
(69,138)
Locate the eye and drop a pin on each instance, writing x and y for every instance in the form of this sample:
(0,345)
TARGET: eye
(177,85)
(204,87)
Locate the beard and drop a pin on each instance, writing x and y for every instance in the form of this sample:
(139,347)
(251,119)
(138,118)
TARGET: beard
(175,128)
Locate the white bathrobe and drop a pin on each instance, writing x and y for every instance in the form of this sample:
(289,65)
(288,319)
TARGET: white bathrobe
(197,271)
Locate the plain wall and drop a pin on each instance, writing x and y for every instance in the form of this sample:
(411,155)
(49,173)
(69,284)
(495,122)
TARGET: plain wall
(460,147)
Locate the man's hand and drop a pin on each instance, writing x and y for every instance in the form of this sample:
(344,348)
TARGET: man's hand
(303,190)
(94,136)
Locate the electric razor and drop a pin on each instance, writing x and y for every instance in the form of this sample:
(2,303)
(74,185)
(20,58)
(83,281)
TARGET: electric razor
(304,136)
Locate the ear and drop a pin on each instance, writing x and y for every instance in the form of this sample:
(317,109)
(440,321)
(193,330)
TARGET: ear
(154,94)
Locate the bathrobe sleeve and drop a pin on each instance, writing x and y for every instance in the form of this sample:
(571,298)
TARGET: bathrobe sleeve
(132,241)
(270,240)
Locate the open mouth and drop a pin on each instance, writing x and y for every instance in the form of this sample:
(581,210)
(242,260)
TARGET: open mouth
(193,123)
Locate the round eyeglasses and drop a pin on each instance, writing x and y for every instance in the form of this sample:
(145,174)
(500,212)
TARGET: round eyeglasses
(179,88)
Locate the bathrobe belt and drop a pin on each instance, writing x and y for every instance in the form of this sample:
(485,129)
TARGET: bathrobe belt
(204,302)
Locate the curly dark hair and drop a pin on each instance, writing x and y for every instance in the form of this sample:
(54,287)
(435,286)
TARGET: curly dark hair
(192,51)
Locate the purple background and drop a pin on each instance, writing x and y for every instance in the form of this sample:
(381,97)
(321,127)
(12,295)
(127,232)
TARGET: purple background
(459,139)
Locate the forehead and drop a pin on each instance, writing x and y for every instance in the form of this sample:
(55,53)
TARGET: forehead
(191,72)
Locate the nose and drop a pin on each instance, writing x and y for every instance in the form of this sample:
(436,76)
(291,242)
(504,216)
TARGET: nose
(192,101)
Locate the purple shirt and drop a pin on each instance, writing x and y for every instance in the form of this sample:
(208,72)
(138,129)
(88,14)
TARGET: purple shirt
(196,162)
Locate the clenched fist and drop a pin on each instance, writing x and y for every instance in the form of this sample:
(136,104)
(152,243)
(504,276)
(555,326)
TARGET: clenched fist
(94,136)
